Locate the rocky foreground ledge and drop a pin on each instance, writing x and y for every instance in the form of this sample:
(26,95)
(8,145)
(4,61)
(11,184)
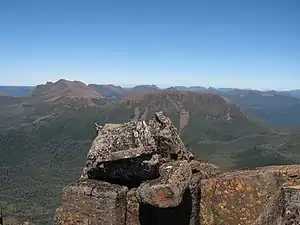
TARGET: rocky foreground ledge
(140,173)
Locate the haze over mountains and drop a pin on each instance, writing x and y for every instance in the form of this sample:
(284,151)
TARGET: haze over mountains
(45,134)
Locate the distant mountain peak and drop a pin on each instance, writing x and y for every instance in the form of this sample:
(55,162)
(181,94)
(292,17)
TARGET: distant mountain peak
(181,100)
(62,89)
(145,88)
(62,81)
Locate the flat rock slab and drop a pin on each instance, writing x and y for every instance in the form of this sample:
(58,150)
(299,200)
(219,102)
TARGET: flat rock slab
(167,190)
(92,202)
(115,138)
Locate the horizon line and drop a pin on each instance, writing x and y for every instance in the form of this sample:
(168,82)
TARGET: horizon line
(161,86)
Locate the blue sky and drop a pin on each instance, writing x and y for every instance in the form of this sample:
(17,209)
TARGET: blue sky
(232,43)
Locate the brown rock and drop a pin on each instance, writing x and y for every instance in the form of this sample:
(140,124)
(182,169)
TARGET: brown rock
(208,170)
(283,208)
(272,212)
(92,202)
(132,208)
(167,190)
(195,198)
(240,197)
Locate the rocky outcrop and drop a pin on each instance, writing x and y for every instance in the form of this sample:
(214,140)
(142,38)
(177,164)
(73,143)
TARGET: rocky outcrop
(140,173)
(123,153)
(240,197)
(136,173)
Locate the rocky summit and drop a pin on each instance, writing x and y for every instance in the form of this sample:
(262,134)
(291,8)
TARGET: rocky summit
(140,173)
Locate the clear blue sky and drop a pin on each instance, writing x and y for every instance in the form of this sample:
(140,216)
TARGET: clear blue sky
(232,43)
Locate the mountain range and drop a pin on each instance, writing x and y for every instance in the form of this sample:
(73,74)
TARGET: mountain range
(45,134)
(117,92)
(277,108)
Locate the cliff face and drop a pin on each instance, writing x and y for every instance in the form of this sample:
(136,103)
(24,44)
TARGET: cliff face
(140,173)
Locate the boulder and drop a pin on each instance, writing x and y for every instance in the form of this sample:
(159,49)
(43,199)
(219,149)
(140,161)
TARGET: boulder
(167,190)
(123,152)
(132,152)
(92,202)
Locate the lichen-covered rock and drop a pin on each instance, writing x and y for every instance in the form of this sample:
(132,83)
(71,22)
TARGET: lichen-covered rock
(123,152)
(133,208)
(132,152)
(118,138)
(272,212)
(195,196)
(283,209)
(240,197)
(92,202)
(167,190)
(167,138)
